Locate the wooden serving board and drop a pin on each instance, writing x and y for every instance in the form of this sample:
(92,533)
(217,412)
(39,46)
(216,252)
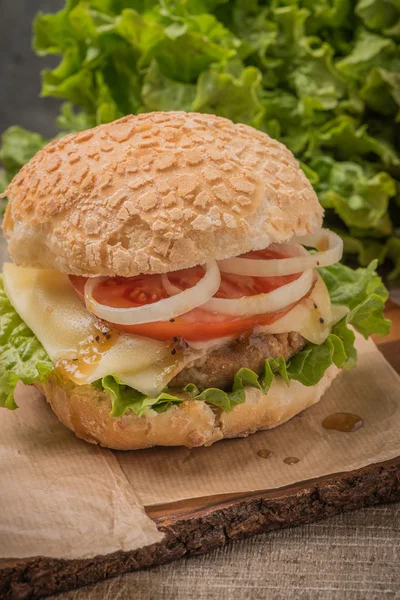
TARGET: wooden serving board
(199,525)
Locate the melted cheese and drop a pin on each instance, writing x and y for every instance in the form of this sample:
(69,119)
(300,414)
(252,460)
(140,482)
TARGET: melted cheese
(48,304)
(313,317)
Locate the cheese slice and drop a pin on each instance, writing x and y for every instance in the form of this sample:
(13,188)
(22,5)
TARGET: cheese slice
(84,350)
(49,305)
(313,317)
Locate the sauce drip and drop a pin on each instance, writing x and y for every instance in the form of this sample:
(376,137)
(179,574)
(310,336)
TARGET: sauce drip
(265,453)
(82,363)
(345,422)
(291,460)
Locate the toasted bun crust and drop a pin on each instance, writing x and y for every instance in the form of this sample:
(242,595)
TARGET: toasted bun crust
(86,410)
(154,193)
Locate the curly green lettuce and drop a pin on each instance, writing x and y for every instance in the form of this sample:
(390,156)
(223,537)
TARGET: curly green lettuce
(18,146)
(322,76)
(22,356)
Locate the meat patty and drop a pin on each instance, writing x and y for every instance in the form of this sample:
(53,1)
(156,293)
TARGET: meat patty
(218,368)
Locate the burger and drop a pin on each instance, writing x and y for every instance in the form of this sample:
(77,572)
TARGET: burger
(171,283)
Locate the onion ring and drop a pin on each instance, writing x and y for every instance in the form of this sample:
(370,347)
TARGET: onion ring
(328,242)
(257,304)
(263,303)
(163,310)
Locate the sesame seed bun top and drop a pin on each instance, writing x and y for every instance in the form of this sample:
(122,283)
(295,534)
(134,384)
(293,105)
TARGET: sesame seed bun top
(155,193)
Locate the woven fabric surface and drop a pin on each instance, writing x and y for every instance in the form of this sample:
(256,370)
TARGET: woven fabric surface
(354,556)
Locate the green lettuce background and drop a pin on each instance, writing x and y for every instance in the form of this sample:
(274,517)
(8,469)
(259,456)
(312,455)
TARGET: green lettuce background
(23,358)
(321,75)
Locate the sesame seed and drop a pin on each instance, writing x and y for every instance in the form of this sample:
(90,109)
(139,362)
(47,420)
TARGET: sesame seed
(173,351)
(321,320)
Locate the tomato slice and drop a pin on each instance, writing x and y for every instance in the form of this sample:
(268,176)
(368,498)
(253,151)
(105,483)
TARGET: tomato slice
(197,324)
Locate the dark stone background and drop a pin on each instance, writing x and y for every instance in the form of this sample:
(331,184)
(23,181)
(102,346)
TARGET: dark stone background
(20,68)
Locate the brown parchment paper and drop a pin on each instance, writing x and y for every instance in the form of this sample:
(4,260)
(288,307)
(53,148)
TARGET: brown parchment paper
(60,496)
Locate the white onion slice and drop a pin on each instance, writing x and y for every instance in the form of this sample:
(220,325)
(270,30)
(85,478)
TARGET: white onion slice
(257,304)
(328,242)
(169,287)
(263,303)
(163,310)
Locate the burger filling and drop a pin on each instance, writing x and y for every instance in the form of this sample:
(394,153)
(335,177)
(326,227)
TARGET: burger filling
(206,333)
(250,350)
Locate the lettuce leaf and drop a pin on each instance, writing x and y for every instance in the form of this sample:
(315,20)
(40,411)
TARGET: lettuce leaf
(393,251)
(363,292)
(378,14)
(22,357)
(381,92)
(18,146)
(365,250)
(124,397)
(370,50)
(359,199)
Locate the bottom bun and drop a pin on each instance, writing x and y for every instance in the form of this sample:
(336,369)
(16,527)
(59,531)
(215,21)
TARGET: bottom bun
(86,410)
